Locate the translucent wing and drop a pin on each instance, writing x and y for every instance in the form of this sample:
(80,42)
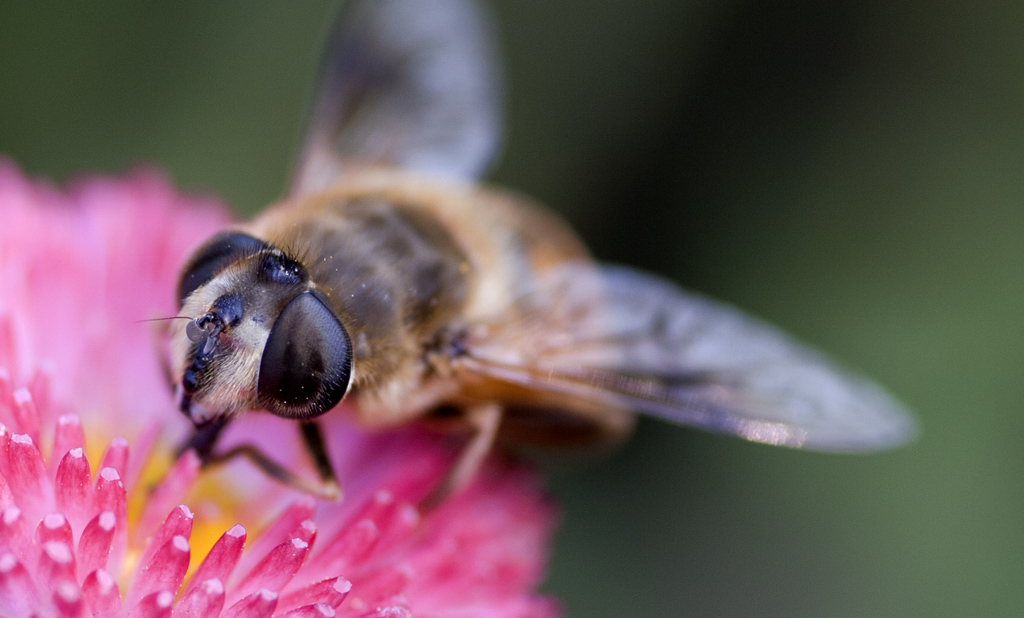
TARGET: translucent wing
(631,340)
(406,83)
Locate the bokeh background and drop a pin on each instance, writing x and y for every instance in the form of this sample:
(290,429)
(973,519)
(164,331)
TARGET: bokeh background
(849,170)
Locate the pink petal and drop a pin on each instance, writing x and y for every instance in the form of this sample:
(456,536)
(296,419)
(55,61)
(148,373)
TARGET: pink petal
(280,531)
(56,564)
(260,604)
(375,507)
(6,386)
(6,497)
(318,610)
(68,601)
(116,456)
(69,436)
(276,569)
(54,527)
(101,594)
(354,542)
(306,531)
(39,388)
(178,523)
(352,545)
(110,496)
(156,605)
(164,571)
(94,545)
(394,612)
(5,437)
(396,520)
(13,535)
(142,443)
(27,478)
(168,494)
(329,592)
(17,590)
(222,558)
(7,353)
(204,601)
(381,584)
(26,417)
(73,487)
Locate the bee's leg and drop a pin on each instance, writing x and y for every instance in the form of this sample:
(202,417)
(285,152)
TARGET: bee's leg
(324,491)
(205,438)
(484,421)
(202,441)
(313,438)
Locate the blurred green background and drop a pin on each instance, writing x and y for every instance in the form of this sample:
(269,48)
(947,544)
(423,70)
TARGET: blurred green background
(851,171)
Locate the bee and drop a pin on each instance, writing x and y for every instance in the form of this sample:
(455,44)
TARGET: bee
(389,278)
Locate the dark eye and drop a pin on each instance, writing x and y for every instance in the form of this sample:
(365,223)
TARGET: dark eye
(276,267)
(307,362)
(215,254)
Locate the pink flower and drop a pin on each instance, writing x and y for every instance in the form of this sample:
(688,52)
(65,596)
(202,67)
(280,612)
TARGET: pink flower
(93,515)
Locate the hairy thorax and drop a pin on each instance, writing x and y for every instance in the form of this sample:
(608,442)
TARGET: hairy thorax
(408,263)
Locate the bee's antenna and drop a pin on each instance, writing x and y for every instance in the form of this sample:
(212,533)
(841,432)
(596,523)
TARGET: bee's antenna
(173,317)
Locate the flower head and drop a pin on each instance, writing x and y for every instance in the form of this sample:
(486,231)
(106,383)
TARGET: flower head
(96,518)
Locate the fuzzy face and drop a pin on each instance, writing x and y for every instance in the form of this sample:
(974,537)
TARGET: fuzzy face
(218,363)
(260,335)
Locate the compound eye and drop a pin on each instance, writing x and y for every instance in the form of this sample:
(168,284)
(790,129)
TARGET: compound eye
(307,362)
(213,256)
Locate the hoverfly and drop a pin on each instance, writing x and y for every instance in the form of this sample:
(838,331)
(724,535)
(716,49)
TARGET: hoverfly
(390,279)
